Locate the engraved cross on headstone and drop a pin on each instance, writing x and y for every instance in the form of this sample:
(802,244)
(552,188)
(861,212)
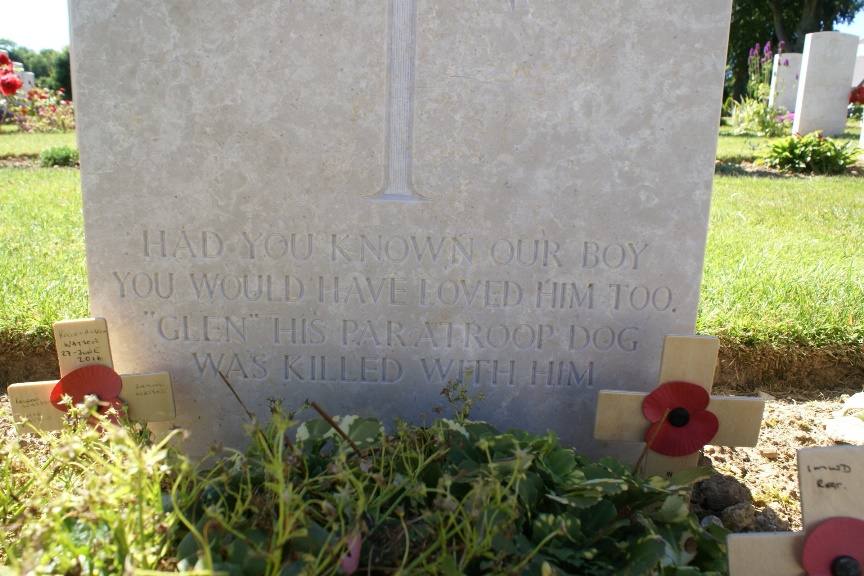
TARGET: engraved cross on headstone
(83,343)
(401,58)
(684,359)
(401,82)
(831,485)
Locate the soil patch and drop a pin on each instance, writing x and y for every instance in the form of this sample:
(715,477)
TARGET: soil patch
(798,371)
(19,162)
(27,364)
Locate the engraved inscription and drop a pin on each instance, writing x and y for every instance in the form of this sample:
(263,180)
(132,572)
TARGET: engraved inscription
(382,308)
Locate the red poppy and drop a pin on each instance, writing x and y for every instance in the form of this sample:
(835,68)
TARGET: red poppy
(9,83)
(681,425)
(834,548)
(857,95)
(99,381)
(5,61)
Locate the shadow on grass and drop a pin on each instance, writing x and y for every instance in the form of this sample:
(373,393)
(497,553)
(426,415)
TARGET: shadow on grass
(736,169)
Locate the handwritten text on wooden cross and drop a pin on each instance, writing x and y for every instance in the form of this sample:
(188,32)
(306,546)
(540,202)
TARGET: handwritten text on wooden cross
(83,343)
(685,359)
(831,484)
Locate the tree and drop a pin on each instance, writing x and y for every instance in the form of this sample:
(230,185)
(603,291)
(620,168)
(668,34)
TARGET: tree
(812,16)
(789,21)
(50,67)
(61,75)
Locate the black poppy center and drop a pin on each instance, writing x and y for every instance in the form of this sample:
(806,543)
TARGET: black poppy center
(679,417)
(845,566)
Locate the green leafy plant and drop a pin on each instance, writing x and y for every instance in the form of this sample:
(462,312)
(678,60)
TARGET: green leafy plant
(339,495)
(755,116)
(84,501)
(58,156)
(812,153)
(456,497)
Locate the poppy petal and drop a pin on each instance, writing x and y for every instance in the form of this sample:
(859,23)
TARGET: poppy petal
(99,380)
(673,395)
(833,538)
(351,560)
(675,441)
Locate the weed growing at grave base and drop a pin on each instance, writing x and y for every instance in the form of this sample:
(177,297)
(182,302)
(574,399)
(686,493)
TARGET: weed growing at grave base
(80,502)
(773,494)
(458,497)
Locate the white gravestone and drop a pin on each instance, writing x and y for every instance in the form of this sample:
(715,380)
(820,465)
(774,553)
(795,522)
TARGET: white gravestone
(784,80)
(823,90)
(28,82)
(512,192)
(858,77)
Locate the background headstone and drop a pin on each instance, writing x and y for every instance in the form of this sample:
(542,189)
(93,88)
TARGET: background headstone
(28,82)
(823,89)
(858,77)
(514,189)
(784,80)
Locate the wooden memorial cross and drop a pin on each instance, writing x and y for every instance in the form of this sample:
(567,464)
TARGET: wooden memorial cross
(831,485)
(690,360)
(83,343)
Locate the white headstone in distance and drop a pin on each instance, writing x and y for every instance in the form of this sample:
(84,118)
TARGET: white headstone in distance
(858,77)
(510,192)
(826,75)
(28,81)
(784,80)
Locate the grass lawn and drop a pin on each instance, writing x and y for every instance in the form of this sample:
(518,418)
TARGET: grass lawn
(14,143)
(783,261)
(42,273)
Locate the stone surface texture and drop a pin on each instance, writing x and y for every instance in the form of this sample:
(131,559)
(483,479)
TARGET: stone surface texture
(352,203)
(785,74)
(826,77)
